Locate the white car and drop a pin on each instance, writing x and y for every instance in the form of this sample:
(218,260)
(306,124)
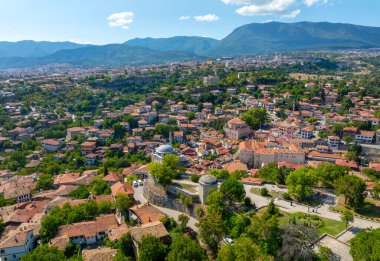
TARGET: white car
(141,183)
(135,184)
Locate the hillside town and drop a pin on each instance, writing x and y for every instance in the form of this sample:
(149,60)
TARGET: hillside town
(217,157)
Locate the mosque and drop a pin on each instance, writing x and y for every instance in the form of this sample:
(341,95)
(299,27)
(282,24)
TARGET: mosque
(166,149)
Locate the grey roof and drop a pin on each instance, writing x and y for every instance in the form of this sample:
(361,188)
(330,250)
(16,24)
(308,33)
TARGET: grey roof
(207,180)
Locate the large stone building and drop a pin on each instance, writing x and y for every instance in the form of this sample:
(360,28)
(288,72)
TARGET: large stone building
(257,154)
(237,129)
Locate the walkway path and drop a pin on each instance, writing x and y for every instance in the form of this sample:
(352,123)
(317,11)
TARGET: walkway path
(338,247)
(322,211)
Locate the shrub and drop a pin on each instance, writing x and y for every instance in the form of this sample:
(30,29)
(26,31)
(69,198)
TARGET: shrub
(247,202)
(195,178)
(286,196)
(264,192)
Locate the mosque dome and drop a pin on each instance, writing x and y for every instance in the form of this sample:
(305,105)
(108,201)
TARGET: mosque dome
(165,149)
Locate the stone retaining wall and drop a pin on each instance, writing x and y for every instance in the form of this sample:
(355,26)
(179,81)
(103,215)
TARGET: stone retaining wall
(157,195)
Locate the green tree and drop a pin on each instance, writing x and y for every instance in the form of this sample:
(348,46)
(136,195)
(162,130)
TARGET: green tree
(163,129)
(191,116)
(212,229)
(243,249)
(183,220)
(166,171)
(366,245)
(327,173)
(220,174)
(347,103)
(266,229)
(270,173)
(184,248)
(123,203)
(337,129)
(152,249)
(352,188)
(81,192)
(45,182)
(195,178)
(216,203)
(232,190)
(376,190)
(100,187)
(352,156)
(300,183)
(347,217)
(371,173)
(255,117)
(44,253)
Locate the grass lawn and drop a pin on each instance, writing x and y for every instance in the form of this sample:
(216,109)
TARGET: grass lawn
(188,187)
(370,210)
(272,194)
(328,226)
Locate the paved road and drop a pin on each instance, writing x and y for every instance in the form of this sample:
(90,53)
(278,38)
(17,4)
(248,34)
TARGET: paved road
(171,213)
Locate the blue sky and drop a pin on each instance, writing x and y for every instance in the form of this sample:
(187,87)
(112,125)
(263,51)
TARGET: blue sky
(115,21)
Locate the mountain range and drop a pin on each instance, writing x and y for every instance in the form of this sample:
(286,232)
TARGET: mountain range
(264,38)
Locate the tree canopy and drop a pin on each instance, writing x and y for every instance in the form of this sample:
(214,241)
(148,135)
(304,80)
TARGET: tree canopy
(166,171)
(184,248)
(352,188)
(300,183)
(232,190)
(366,245)
(152,249)
(255,117)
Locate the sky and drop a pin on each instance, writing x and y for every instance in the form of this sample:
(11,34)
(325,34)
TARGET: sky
(116,21)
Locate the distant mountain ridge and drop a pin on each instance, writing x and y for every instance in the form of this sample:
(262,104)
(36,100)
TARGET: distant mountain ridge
(34,49)
(248,39)
(276,37)
(192,44)
(106,55)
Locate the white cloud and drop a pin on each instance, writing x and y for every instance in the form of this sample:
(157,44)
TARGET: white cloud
(122,19)
(293,14)
(315,2)
(267,7)
(206,18)
(237,2)
(184,18)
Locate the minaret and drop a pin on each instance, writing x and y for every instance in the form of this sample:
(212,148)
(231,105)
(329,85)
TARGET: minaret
(170,138)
